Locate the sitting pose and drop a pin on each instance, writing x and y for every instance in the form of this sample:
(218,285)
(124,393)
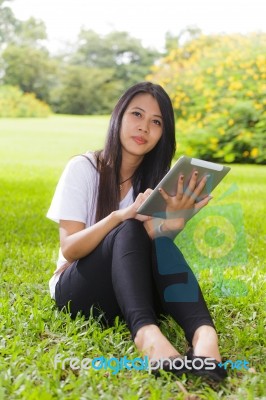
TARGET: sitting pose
(117,262)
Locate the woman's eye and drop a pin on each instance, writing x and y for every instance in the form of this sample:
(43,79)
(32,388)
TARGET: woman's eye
(138,114)
(157,122)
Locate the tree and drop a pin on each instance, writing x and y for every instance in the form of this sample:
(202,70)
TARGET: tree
(172,42)
(86,91)
(30,33)
(30,69)
(24,62)
(8,23)
(117,50)
(217,86)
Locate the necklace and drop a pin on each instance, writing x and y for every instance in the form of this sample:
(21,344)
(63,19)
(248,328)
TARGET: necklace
(121,183)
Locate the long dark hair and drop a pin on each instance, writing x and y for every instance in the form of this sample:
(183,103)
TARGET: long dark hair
(155,164)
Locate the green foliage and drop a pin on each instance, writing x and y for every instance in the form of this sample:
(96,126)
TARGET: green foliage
(218,88)
(117,50)
(8,23)
(32,331)
(82,90)
(15,103)
(30,33)
(89,79)
(30,69)
(99,69)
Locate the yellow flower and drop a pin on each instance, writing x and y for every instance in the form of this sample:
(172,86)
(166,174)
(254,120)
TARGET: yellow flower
(236,85)
(189,151)
(220,83)
(213,146)
(245,153)
(231,122)
(219,72)
(221,131)
(254,152)
(249,93)
(198,115)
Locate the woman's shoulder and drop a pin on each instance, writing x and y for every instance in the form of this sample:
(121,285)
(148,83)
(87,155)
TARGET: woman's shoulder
(84,161)
(81,166)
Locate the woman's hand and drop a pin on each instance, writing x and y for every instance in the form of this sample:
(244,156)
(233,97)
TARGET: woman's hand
(183,205)
(131,211)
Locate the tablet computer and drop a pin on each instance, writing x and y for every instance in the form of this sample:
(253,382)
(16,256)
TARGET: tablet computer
(155,205)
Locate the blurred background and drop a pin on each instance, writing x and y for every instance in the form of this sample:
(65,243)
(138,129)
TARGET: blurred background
(76,58)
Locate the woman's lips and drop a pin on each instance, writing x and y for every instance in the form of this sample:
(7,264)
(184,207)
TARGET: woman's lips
(139,140)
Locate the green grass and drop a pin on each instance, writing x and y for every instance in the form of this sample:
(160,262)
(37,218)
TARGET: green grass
(32,155)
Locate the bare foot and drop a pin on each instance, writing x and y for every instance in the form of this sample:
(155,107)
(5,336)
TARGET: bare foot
(205,342)
(150,341)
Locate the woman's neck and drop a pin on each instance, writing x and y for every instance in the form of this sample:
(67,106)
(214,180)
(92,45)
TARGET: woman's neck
(129,166)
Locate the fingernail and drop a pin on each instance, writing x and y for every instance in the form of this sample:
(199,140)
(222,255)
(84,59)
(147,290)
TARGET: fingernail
(181,177)
(196,173)
(160,189)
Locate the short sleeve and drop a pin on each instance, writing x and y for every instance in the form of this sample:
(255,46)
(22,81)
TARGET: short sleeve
(75,191)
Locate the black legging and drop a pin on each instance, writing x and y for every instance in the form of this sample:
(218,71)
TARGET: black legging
(132,276)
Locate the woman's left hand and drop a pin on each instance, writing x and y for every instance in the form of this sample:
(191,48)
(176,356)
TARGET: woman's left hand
(180,207)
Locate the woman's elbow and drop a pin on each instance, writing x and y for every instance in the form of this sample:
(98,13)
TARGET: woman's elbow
(68,253)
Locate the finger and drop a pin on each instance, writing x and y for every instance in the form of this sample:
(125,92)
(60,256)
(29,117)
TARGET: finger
(148,191)
(203,203)
(139,200)
(192,184)
(180,185)
(163,193)
(142,218)
(201,186)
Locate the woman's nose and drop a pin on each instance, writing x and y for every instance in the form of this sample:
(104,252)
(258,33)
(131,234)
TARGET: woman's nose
(144,128)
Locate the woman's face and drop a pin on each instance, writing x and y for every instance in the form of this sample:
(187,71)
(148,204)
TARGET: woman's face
(142,125)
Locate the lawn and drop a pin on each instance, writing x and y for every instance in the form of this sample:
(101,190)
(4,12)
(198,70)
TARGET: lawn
(32,331)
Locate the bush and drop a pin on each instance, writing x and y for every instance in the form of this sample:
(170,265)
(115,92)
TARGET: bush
(14,103)
(218,88)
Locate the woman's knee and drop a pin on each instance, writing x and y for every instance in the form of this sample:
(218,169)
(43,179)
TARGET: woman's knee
(132,227)
(132,234)
(132,223)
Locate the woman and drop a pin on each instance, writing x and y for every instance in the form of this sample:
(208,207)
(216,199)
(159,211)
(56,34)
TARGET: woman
(109,255)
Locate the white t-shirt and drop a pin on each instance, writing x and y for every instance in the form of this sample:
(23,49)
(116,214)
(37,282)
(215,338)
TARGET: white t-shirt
(75,199)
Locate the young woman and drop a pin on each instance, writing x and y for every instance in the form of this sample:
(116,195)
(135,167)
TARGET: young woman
(113,260)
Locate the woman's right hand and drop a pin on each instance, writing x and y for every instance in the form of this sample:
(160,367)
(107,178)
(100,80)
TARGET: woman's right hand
(131,211)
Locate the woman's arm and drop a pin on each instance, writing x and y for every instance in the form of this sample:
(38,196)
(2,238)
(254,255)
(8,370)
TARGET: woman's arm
(76,241)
